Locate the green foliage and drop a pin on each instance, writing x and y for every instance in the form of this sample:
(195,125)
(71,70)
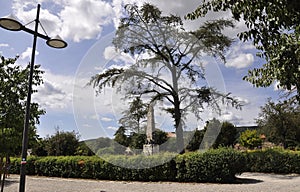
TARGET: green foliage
(159,137)
(174,55)
(132,118)
(39,149)
(213,166)
(280,123)
(169,145)
(273,26)
(217,165)
(220,165)
(121,137)
(62,144)
(227,136)
(250,139)
(84,150)
(137,140)
(196,140)
(13,95)
(273,161)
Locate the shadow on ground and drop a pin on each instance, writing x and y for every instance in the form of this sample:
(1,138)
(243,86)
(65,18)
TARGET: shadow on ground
(9,182)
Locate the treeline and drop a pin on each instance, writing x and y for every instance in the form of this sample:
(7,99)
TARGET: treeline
(67,143)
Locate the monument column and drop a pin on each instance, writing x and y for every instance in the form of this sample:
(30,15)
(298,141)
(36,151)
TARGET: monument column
(150,148)
(150,123)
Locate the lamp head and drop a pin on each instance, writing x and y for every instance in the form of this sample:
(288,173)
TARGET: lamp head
(11,23)
(57,42)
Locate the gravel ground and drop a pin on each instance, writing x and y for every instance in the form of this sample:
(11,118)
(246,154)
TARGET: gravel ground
(249,182)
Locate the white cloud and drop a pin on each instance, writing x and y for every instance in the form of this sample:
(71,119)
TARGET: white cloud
(4,45)
(93,117)
(27,53)
(112,128)
(106,119)
(56,93)
(240,56)
(231,117)
(71,19)
(26,12)
(83,19)
(110,54)
(277,86)
(241,61)
(243,101)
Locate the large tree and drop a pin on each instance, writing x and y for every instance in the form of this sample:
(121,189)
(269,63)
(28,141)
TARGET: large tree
(62,143)
(13,92)
(280,122)
(273,26)
(227,136)
(168,62)
(134,116)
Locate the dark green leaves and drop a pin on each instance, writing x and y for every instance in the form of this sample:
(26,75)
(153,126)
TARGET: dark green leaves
(13,94)
(273,26)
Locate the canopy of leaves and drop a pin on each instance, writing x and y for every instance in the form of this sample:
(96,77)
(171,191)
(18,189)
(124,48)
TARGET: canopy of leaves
(171,51)
(250,139)
(13,94)
(280,122)
(121,137)
(227,136)
(273,26)
(134,116)
(62,144)
(168,64)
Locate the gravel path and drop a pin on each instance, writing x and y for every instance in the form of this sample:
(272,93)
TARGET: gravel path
(250,182)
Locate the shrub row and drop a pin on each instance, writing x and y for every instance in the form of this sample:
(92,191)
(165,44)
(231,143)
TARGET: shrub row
(221,165)
(212,166)
(274,161)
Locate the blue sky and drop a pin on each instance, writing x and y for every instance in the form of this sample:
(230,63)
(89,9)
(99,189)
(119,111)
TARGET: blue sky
(88,27)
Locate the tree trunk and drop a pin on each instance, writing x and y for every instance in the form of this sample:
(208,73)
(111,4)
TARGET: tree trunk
(178,126)
(3,181)
(179,138)
(2,172)
(1,168)
(177,113)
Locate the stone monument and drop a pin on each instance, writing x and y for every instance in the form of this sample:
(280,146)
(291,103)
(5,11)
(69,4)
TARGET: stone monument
(150,148)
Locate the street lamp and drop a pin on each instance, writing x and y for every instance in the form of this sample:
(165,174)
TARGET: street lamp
(11,23)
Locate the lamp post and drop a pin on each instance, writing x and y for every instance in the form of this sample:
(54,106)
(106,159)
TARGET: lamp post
(11,23)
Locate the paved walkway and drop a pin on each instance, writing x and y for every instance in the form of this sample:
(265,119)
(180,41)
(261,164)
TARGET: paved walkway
(249,182)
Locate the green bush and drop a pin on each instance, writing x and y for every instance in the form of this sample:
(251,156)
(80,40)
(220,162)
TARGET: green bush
(273,161)
(220,165)
(30,167)
(250,139)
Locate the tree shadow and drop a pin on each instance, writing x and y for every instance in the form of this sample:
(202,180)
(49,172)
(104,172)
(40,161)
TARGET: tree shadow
(9,181)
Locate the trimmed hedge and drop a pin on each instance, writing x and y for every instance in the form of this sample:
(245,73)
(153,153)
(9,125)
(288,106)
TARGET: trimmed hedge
(274,161)
(212,166)
(221,165)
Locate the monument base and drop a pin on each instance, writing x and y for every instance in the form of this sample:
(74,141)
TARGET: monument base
(150,149)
